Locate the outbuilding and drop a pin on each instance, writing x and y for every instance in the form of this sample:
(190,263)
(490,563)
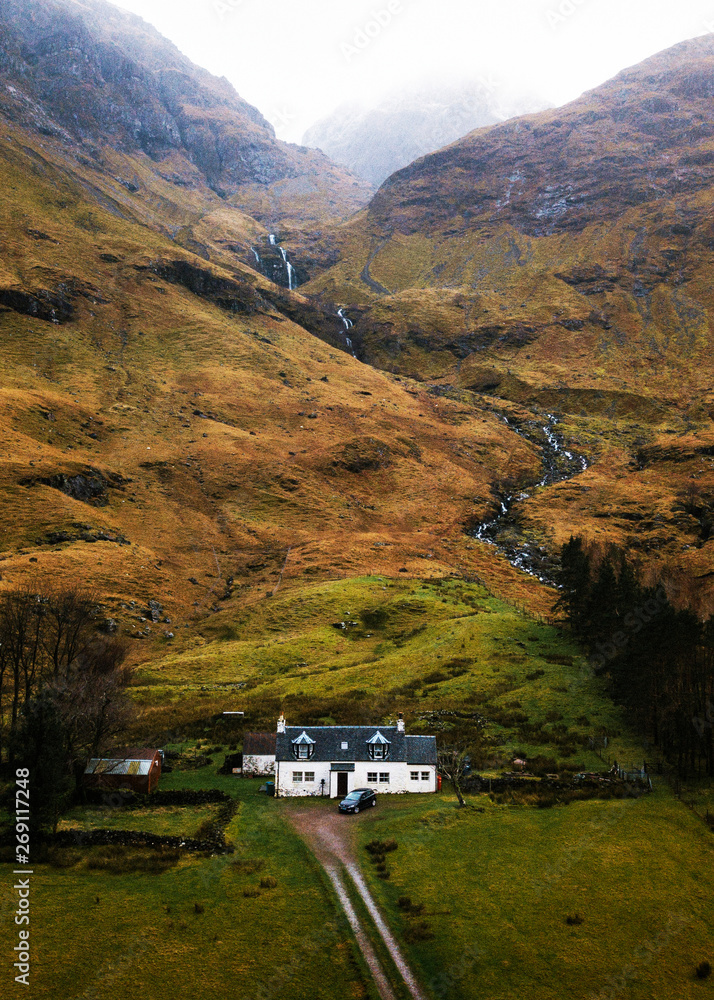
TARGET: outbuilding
(135,769)
(259,754)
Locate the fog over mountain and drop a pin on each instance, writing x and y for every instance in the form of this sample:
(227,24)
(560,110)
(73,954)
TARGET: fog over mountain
(375,140)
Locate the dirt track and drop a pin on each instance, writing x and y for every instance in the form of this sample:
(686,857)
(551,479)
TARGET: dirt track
(331,838)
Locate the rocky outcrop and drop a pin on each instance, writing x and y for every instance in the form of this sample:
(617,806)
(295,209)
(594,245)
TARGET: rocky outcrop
(642,137)
(94,74)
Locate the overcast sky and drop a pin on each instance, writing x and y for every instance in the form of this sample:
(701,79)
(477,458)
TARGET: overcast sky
(296,60)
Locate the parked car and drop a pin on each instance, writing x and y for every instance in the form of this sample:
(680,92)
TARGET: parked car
(360,798)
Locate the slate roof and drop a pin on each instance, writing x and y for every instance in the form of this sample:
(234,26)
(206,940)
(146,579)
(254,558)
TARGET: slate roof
(329,739)
(259,744)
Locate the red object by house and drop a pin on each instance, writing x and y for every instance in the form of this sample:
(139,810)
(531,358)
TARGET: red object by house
(137,770)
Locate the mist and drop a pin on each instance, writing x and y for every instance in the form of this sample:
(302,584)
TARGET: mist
(298,61)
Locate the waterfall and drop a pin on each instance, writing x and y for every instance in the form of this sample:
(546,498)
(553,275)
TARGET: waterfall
(256,254)
(289,269)
(348,324)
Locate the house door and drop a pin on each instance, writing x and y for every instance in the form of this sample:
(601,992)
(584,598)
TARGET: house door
(341,784)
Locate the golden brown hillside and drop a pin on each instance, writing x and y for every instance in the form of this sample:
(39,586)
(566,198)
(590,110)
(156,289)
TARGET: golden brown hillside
(563,262)
(170,434)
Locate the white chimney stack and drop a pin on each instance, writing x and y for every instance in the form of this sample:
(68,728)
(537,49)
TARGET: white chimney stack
(400,723)
(281,723)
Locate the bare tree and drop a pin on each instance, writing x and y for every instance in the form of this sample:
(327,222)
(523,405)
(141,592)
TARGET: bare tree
(49,646)
(69,626)
(21,619)
(90,698)
(453,764)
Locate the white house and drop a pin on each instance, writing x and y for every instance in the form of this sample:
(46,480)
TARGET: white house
(334,760)
(259,754)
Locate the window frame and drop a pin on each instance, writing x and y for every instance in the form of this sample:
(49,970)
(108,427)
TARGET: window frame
(426,775)
(372,778)
(297,777)
(309,778)
(384,777)
(414,775)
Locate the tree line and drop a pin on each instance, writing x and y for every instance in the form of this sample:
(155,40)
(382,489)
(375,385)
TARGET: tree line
(658,658)
(62,688)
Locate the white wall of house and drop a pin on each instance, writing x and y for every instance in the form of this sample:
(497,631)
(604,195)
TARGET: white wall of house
(258,764)
(302,778)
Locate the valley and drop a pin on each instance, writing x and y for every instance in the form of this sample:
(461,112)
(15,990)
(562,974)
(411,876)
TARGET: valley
(310,448)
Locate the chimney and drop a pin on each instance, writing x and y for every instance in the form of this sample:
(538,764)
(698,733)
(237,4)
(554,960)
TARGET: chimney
(400,723)
(281,723)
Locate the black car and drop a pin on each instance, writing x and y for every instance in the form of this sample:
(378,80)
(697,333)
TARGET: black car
(360,798)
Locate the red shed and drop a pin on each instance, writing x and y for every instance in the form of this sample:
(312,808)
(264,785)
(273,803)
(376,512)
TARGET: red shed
(138,770)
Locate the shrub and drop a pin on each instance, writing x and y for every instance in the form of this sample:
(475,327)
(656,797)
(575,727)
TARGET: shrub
(268,882)
(198,908)
(384,874)
(704,970)
(381,846)
(251,893)
(420,931)
(535,675)
(574,921)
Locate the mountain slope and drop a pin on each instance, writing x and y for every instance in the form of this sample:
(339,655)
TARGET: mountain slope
(375,141)
(564,262)
(91,74)
(170,431)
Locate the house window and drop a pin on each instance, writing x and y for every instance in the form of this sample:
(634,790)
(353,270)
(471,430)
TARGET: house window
(372,777)
(384,777)
(415,775)
(378,747)
(297,777)
(303,747)
(345,746)
(425,775)
(309,776)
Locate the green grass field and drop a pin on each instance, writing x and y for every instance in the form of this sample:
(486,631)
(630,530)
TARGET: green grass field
(107,936)
(499,882)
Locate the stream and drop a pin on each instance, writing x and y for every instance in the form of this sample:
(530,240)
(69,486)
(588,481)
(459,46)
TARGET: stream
(504,530)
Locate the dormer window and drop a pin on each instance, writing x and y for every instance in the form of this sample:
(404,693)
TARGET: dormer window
(303,747)
(378,747)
